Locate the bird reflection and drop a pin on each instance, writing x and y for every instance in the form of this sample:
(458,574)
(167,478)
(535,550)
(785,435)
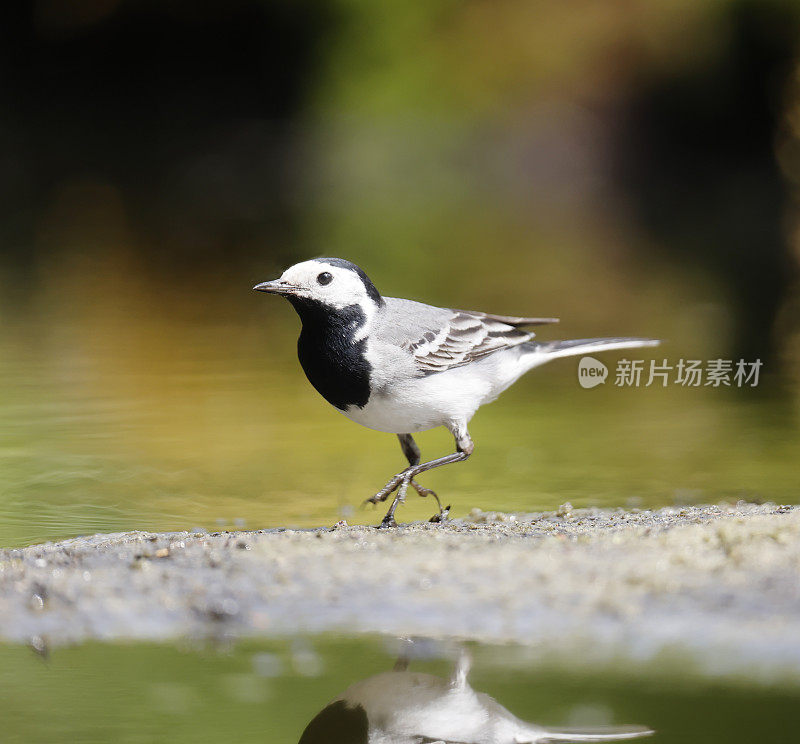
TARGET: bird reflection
(405,707)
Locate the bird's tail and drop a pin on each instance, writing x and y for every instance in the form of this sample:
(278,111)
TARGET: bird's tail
(607,733)
(555,349)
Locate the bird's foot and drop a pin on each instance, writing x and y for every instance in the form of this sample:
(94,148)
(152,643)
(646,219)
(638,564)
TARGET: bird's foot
(441,516)
(443,511)
(422,491)
(403,480)
(388,520)
(394,483)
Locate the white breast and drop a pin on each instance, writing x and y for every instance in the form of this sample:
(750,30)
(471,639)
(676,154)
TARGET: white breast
(412,404)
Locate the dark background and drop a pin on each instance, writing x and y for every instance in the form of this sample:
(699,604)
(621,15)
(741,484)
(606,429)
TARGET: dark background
(220,130)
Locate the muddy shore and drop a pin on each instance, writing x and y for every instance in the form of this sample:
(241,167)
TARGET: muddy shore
(720,584)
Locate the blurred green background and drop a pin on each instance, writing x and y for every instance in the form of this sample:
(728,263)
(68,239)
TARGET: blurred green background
(629,166)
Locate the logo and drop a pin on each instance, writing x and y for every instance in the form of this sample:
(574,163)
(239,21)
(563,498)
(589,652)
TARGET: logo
(716,373)
(591,372)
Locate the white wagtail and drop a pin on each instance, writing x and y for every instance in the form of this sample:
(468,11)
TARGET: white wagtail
(402,707)
(402,367)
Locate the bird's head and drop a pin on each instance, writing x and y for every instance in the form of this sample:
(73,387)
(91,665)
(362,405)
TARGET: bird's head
(331,282)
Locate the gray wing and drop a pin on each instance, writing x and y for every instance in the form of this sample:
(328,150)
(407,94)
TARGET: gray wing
(440,339)
(513,320)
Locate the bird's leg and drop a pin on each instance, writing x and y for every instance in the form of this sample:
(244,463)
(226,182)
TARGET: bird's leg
(410,449)
(388,520)
(412,453)
(464,448)
(404,655)
(463,664)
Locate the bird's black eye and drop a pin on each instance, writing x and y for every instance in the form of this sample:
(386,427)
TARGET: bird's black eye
(324,278)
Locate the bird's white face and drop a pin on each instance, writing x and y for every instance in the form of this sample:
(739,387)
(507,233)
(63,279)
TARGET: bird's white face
(333,285)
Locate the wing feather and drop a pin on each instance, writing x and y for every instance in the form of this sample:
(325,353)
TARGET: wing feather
(467,337)
(513,320)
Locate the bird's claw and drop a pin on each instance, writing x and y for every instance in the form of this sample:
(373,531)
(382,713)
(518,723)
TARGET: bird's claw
(393,484)
(422,491)
(441,516)
(379,497)
(443,511)
(403,481)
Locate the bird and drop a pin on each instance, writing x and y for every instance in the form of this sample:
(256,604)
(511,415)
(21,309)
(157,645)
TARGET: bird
(404,707)
(400,366)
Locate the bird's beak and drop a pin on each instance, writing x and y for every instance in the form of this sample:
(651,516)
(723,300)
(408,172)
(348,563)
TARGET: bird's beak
(276,287)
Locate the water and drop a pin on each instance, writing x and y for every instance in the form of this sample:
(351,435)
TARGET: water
(168,424)
(120,417)
(269,691)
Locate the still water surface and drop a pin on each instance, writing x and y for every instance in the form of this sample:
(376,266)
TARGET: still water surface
(171,426)
(165,425)
(269,692)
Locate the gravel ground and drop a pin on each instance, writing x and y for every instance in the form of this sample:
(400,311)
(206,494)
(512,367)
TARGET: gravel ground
(721,583)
